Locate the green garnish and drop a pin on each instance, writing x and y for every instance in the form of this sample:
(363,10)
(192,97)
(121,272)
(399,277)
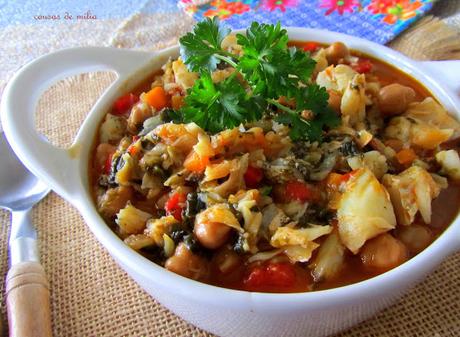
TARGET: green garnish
(200,50)
(269,67)
(312,98)
(265,190)
(217,106)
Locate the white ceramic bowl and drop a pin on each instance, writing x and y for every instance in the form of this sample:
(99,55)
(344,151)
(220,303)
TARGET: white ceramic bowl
(222,311)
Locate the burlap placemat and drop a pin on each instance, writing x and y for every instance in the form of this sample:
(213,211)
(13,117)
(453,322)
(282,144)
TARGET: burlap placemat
(92,296)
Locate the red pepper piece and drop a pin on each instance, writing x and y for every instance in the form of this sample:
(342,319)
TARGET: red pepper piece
(108,164)
(253,176)
(310,46)
(124,103)
(297,190)
(175,205)
(363,66)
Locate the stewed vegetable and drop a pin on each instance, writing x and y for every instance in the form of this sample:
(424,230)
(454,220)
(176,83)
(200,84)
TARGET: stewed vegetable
(258,163)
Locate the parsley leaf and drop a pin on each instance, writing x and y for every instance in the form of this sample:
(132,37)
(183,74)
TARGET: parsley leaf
(271,67)
(312,97)
(300,127)
(315,99)
(311,129)
(217,106)
(267,65)
(263,39)
(328,118)
(302,64)
(199,50)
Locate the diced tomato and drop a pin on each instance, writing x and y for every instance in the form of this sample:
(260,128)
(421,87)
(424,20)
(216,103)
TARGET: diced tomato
(124,103)
(310,46)
(271,275)
(297,190)
(363,66)
(253,176)
(256,278)
(108,164)
(175,205)
(281,274)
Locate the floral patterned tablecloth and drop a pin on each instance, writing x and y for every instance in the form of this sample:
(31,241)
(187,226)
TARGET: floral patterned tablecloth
(376,20)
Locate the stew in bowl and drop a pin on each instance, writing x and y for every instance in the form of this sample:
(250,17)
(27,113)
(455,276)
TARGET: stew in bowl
(302,202)
(257,163)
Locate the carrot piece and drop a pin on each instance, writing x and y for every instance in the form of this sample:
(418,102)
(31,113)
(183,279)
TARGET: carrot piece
(195,163)
(134,149)
(135,146)
(406,156)
(333,180)
(156,97)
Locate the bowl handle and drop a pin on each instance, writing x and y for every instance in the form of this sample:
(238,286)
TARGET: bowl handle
(447,72)
(57,167)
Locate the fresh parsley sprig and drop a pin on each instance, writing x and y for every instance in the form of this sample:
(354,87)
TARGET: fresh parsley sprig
(267,65)
(201,50)
(217,106)
(270,67)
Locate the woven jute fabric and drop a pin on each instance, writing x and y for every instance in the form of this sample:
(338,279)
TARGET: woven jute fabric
(92,296)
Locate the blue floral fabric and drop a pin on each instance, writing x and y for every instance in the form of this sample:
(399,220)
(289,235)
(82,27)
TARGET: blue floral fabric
(375,20)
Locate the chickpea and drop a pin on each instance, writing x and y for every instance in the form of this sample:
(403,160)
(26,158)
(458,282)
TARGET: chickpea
(335,100)
(226,260)
(383,253)
(211,235)
(114,199)
(395,98)
(161,202)
(335,52)
(415,237)
(187,264)
(139,113)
